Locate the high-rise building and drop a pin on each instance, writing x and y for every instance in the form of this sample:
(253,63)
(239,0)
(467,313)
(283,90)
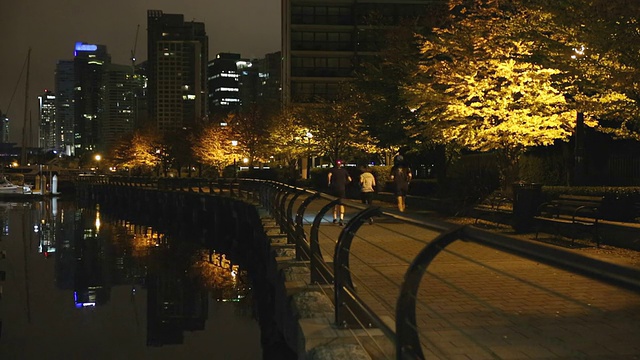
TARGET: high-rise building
(224,82)
(142,109)
(271,69)
(64,84)
(323,42)
(96,101)
(49,137)
(235,82)
(120,90)
(88,67)
(177,54)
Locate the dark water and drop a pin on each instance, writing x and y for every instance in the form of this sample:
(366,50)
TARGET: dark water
(82,284)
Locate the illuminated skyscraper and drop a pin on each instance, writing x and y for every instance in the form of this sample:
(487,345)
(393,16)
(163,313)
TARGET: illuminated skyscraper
(271,68)
(224,83)
(88,66)
(64,84)
(177,71)
(235,83)
(120,91)
(49,137)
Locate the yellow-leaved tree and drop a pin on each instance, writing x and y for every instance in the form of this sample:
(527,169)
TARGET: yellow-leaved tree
(506,106)
(138,152)
(216,146)
(493,80)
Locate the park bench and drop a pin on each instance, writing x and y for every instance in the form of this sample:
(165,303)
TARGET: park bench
(495,208)
(575,213)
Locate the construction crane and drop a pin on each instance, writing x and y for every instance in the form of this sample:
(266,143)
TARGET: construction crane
(133,51)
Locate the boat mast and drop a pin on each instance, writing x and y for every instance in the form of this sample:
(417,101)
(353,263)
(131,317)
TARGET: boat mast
(23,158)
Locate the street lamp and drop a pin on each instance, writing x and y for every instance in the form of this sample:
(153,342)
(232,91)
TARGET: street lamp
(308,136)
(98,157)
(579,133)
(234,143)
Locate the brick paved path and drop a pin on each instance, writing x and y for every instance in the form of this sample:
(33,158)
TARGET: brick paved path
(479,303)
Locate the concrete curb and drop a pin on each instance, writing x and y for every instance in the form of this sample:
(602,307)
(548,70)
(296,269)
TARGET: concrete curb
(304,312)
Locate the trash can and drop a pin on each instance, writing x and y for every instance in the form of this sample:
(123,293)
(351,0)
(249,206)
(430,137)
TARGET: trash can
(527,197)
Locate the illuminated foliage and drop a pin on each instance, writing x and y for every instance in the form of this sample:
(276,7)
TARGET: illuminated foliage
(499,78)
(137,151)
(289,138)
(252,127)
(337,129)
(213,146)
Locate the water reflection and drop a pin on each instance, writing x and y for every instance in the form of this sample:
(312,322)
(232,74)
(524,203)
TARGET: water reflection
(81,282)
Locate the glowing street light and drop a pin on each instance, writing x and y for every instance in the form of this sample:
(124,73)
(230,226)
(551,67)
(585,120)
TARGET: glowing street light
(309,159)
(579,170)
(98,157)
(234,143)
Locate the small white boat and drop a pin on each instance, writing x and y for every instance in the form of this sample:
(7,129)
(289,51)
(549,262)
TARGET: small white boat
(6,187)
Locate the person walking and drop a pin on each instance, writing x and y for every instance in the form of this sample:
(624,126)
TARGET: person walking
(367,187)
(338,178)
(401,176)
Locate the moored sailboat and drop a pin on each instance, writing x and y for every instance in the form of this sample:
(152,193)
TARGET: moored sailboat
(8,189)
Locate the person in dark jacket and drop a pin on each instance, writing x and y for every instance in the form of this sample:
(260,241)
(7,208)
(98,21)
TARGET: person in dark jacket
(338,178)
(401,177)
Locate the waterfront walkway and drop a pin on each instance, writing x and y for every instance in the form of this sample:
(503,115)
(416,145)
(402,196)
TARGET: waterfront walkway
(480,297)
(475,302)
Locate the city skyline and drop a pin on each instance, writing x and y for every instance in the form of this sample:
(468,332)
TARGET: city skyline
(52,29)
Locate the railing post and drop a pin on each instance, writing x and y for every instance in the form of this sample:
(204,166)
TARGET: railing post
(271,196)
(320,273)
(282,213)
(291,231)
(302,247)
(407,339)
(349,311)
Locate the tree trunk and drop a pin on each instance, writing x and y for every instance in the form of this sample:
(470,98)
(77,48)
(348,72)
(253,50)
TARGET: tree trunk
(508,162)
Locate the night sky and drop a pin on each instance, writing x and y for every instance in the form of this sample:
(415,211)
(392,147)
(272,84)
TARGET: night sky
(51,28)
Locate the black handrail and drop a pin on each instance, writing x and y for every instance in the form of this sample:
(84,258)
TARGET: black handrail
(303,250)
(407,339)
(350,310)
(291,231)
(321,273)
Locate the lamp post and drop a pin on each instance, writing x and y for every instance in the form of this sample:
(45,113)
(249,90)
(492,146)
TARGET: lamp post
(234,143)
(158,162)
(98,157)
(579,134)
(308,136)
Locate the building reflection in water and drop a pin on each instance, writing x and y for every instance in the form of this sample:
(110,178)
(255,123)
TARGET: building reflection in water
(93,254)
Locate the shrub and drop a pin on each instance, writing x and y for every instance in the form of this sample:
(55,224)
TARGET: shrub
(544,168)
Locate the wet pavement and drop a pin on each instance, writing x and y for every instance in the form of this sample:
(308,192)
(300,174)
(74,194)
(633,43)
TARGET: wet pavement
(476,302)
